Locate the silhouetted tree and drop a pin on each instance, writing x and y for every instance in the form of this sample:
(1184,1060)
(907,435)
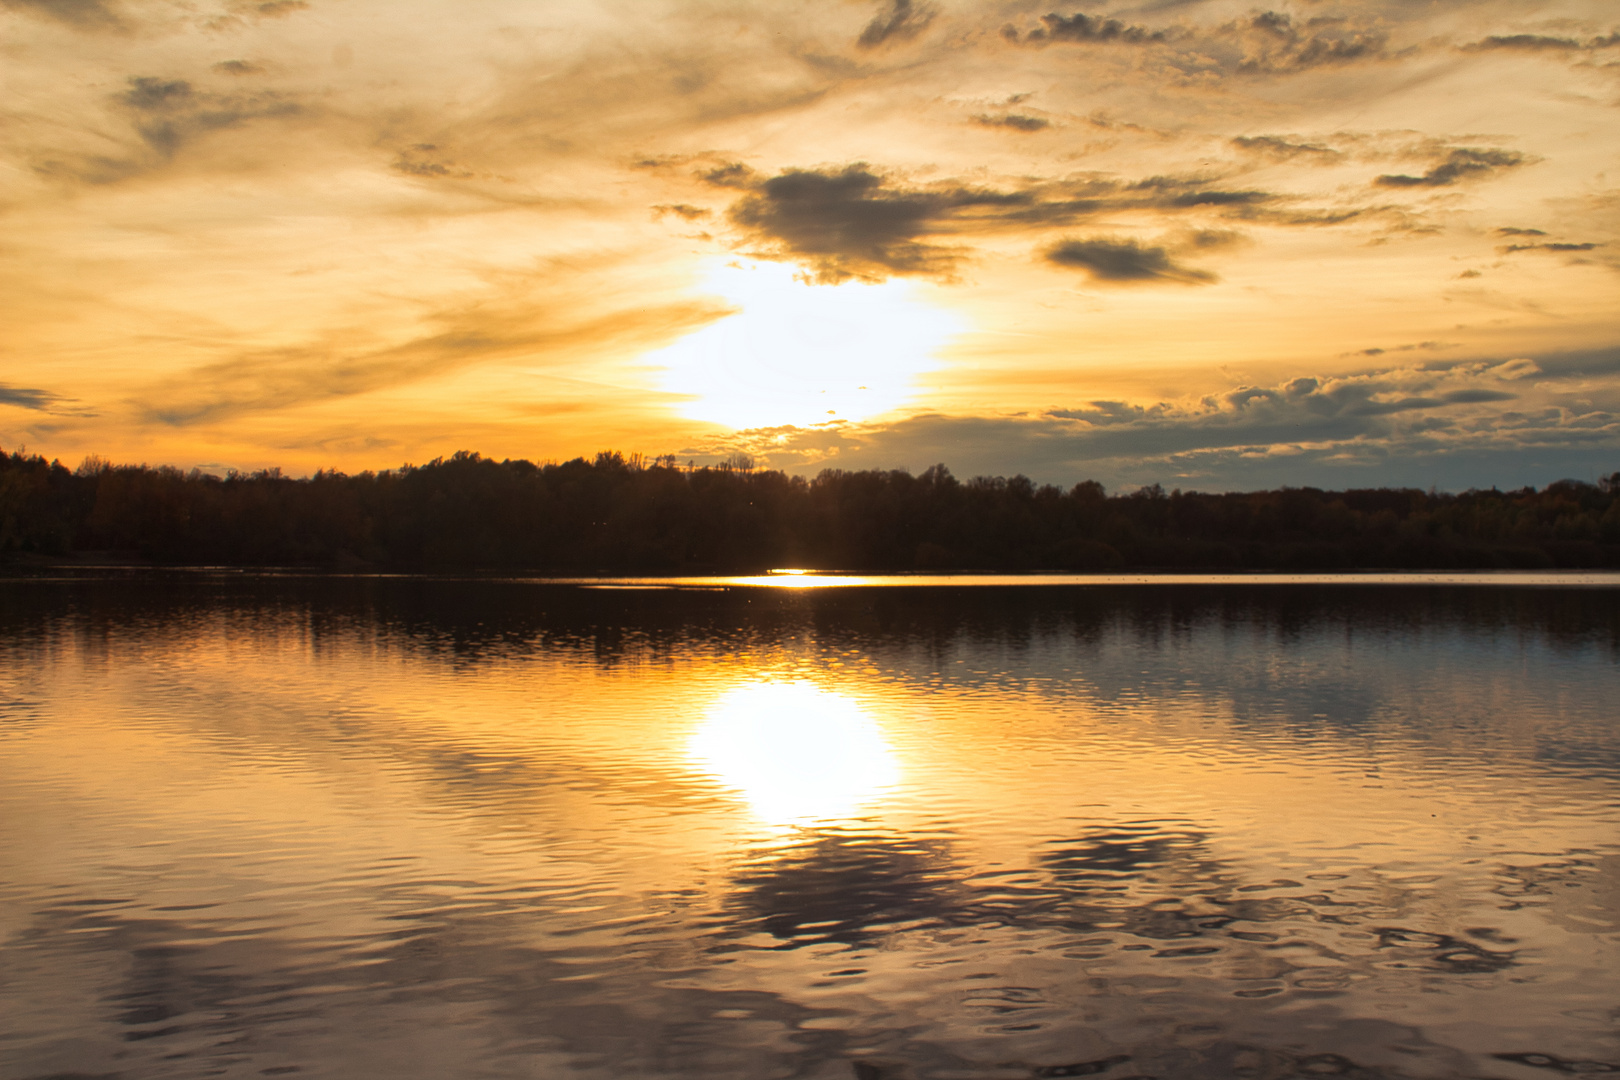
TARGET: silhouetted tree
(614,513)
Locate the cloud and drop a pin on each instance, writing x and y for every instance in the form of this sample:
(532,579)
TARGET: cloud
(1284,149)
(1266,43)
(1274,42)
(425,160)
(25,398)
(1548,247)
(1111,259)
(1426,346)
(267,380)
(1512,370)
(683,210)
(1085,29)
(857,222)
(85,14)
(1460,163)
(278,9)
(1454,424)
(171,112)
(1211,239)
(1508,231)
(1523,43)
(1535,43)
(1013,121)
(900,21)
(238,67)
(731,174)
(240,13)
(166,115)
(848,223)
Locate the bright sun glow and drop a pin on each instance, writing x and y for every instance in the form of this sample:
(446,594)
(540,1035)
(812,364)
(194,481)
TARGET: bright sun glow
(803,354)
(797,753)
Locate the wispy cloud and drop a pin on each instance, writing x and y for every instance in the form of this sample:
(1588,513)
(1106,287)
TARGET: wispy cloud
(25,398)
(855,221)
(85,14)
(1115,260)
(1541,43)
(1374,428)
(1458,164)
(165,116)
(1012,121)
(900,20)
(1084,29)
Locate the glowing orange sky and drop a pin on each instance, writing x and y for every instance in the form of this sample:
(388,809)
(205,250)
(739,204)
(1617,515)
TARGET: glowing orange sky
(1205,243)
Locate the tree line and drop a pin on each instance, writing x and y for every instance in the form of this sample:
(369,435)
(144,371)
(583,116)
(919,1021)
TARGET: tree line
(617,514)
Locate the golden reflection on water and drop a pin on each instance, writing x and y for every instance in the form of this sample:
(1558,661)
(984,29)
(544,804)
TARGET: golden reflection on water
(797,752)
(799,579)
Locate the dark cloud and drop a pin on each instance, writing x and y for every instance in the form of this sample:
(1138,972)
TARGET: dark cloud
(155,95)
(87,14)
(1459,163)
(1180,192)
(1268,42)
(1284,149)
(856,222)
(1013,121)
(425,160)
(1465,424)
(1124,261)
(1276,43)
(168,113)
(25,398)
(1086,29)
(1508,231)
(1421,345)
(1273,42)
(849,223)
(1548,247)
(732,174)
(1539,43)
(238,67)
(279,9)
(1523,43)
(1212,239)
(901,20)
(683,210)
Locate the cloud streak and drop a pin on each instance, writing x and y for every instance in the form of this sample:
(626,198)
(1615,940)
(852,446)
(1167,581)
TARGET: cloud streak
(518,328)
(1459,164)
(902,20)
(1122,261)
(83,14)
(23,397)
(857,222)
(1383,426)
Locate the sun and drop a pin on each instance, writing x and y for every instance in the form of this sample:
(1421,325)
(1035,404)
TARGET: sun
(800,354)
(796,752)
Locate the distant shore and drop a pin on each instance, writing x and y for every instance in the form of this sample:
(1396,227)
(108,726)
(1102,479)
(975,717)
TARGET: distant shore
(614,516)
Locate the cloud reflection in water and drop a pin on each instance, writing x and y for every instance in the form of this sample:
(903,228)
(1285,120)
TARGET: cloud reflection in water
(796,752)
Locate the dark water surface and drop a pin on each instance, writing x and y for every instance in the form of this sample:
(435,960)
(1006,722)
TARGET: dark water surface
(408,828)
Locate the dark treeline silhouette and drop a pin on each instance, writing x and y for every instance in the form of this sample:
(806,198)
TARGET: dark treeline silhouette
(615,514)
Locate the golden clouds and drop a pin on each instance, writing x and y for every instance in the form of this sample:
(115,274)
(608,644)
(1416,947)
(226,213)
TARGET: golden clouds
(293,212)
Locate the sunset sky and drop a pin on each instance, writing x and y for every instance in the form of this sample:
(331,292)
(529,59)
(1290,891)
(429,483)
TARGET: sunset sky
(1210,244)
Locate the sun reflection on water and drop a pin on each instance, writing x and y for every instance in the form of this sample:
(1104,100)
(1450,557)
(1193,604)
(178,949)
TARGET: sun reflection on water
(798,753)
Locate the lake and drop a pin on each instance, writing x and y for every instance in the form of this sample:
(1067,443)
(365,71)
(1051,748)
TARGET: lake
(899,828)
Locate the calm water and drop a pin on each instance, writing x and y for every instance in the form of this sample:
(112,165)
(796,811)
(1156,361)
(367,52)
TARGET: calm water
(407,828)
